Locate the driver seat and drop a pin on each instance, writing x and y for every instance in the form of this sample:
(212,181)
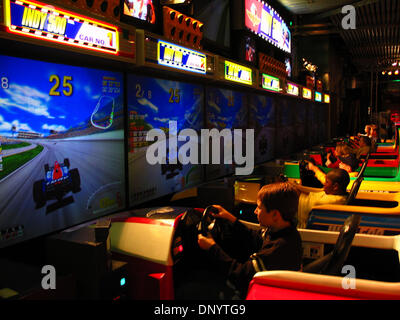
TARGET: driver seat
(357,184)
(332,263)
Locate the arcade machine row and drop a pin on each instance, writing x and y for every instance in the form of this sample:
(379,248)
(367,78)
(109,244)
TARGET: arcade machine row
(59,120)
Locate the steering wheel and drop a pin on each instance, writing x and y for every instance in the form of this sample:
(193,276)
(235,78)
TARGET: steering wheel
(207,220)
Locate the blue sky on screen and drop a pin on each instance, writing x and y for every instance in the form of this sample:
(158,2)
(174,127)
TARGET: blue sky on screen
(161,101)
(26,103)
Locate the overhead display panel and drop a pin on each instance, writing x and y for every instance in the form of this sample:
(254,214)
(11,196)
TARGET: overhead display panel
(157,53)
(174,56)
(267,23)
(307,93)
(318,96)
(238,73)
(270,83)
(36,20)
(292,89)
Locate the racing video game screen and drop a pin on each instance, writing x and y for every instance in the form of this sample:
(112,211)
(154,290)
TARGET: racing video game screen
(225,109)
(62,147)
(300,122)
(262,119)
(285,127)
(168,107)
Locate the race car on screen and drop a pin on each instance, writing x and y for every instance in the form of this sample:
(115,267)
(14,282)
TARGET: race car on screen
(59,180)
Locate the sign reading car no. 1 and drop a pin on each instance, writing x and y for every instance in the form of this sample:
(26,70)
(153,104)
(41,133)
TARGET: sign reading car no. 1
(49,23)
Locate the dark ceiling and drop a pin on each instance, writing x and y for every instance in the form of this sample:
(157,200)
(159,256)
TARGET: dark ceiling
(373,45)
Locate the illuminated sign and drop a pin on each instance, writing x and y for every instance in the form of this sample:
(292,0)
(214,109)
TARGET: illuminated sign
(270,82)
(46,22)
(267,23)
(174,56)
(292,89)
(318,96)
(307,93)
(327,98)
(236,72)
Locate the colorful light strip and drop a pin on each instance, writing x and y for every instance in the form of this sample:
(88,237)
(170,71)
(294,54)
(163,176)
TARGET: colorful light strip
(292,89)
(236,72)
(171,55)
(307,93)
(41,21)
(270,83)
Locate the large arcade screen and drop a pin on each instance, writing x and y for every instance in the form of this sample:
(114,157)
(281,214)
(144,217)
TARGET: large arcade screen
(286,111)
(225,109)
(267,23)
(62,146)
(262,119)
(164,118)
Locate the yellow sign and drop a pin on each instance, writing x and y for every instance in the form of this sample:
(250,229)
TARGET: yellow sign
(307,93)
(37,20)
(236,72)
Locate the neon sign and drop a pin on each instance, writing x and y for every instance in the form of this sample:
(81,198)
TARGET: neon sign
(270,83)
(327,98)
(292,89)
(174,56)
(318,96)
(236,72)
(307,93)
(36,20)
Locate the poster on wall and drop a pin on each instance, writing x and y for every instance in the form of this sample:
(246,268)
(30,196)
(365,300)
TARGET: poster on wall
(169,107)
(62,138)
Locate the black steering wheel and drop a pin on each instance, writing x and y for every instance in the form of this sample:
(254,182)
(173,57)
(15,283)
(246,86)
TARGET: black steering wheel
(207,220)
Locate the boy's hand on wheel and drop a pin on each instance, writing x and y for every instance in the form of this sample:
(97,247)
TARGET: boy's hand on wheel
(205,243)
(223,214)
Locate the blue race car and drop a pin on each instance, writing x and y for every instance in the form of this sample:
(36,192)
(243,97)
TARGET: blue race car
(59,180)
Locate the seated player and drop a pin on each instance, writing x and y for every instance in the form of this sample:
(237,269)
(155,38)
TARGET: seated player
(278,246)
(367,130)
(335,184)
(344,158)
(374,137)
(364,147)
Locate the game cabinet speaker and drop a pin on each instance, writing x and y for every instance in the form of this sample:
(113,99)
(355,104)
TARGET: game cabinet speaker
(182,29)
(107,8)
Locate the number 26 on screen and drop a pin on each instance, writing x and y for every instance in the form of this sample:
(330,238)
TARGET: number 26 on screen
(66,85)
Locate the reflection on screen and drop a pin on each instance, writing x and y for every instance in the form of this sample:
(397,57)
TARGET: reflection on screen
(225,109)
(152,104)
(262,119)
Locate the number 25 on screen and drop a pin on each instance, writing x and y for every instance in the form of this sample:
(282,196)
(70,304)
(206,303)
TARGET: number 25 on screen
(67,85)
